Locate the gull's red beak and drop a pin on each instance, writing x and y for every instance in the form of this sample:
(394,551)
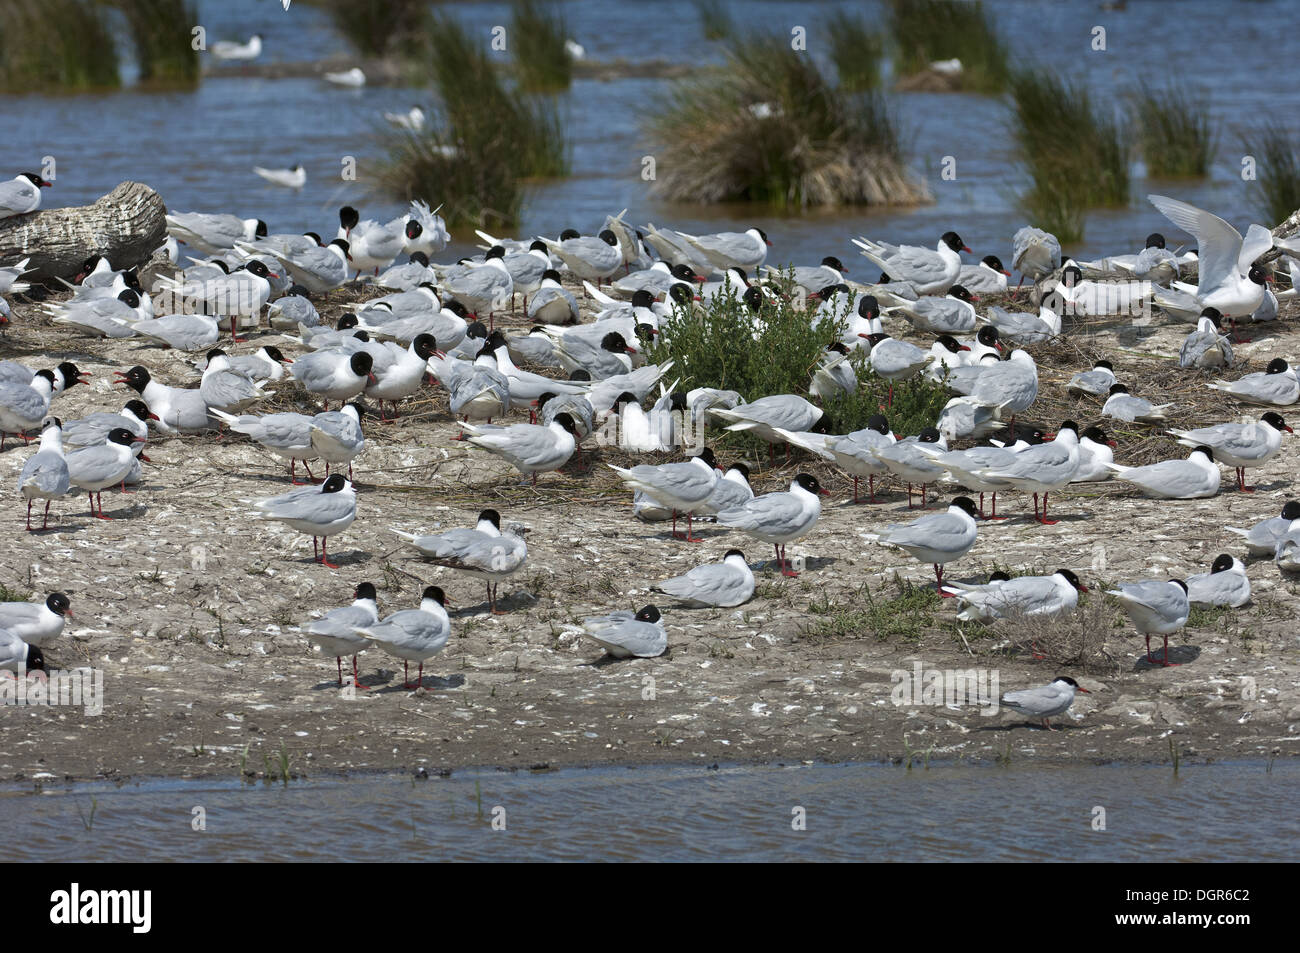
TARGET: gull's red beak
(1083,588)
(1081,688)
(963,347)
(46,185)
(1288,429)
(273,274)
(139,440)
(1112,443)
(822,492)
(631,350)
(288,360)
(966,249)
(1005,272)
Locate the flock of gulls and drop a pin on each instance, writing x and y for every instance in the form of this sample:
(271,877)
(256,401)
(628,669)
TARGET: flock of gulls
(434,322)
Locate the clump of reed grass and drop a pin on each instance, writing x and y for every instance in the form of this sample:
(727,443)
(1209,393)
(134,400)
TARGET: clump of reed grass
(382,27)
(538,33)
(769,127)
(1174,132)
(856,51)
(715,21)
(1277,171)
(924,31)
(484,144)
(56,46)
(1077,153)
(160,32)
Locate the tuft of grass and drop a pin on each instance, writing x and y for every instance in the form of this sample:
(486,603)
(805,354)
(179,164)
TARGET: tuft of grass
(1075,640)
(902,618)
(1076,152)
(1175,754)
(769,127)
(715,21)
(1277,171)
(1174,133)
(537,35)
(13,595)
(56,46)
(485,144)
(856,50)
(160,32)
(924,31)
(88,821)
(382,27)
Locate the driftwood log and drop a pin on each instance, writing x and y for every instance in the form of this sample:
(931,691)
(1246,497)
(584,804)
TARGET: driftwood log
(125,226)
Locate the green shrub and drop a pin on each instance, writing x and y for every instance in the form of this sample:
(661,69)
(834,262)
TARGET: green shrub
(537,36)
(1173,131)
(1277,171)
(924,31)
(56,46)
(856,51)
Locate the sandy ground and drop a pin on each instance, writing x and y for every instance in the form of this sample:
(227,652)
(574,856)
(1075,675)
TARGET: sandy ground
(193,610)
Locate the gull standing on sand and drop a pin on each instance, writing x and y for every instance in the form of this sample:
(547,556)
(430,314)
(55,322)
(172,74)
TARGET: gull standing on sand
(335,632)
(1155,607)
(413,635)
(45,473)
(1239,445)
(483,552)
(1042,468)
(321,511)
(1046,702)
(529,448)
(937,538)
(779,518)
(684,488)
(94,469)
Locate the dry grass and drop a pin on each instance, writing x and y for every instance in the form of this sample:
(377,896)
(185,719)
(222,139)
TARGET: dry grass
(1075,641)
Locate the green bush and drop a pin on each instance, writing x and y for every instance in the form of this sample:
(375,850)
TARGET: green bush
(160,32)
(537,36)
(856,51)
(1277,171)
(382,27)
(1173,131)
(924,31)
(56,46)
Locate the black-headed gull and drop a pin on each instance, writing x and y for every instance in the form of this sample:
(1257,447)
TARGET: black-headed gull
(16,655)
(928,272)
(319,511)
(294,178)
(623,634)
(718,585)
(484,552)
(593,258)
(1226,584)
(1122,405)
(951,314)
(1277,384)
(913,461)
(94,469)
(1096,450)
(1155,607)
(937,538)
(723,250)
(1096,382)
(685,488)
(334,375)
(229,50)
(176,409)
(213,234)
(287,435)
(21,194)
(1239,445)
(1228,279)
(988,277)
(1042,468)
(779,518)
(336,436)
(413,635)
(319,269)
(45,473)
(1019,598)
(1206,346)
(1196,477)
(529,448)
(1261,539)
(1047,702)
(37,623)
(1035,253)
(335,631)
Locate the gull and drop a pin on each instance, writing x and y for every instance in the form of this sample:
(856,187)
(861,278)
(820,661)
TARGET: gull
(294,178)
(1042,468)
(937,538)
(21,195)
(335,631)
(1226,584)
(412,120)
(951,314)
(484,552)
(829,273)
(36,623)
(1123,406)
(318,269)
(227,50)
(45,473)
(487,287)
(1262,538)
(409,276)
(987,341)
(24,406)
(287,435)
(104,317)
(479,390)
(352,77)
(1047,702)
(988,277)
(731,491)
(1020,598)
(591,258)
(403,377)
(1153,263)
(1096,382)
(9,275)
(853,453)
(965,468)
(1087,297)
(1228,279)
(834,375)
(779,518)
(928,272)
(1206,346)
(319,511)
(371,244)
(224,388)
(718,585)
(529,448)
(723,250)
(946,354)
(1277,385)
(1194,478)
(432,235)
(625,635)
(185,332)
(1035,253)
(912,460)
(334,375)
(213,234)
(552,303)
(1239,445)
(579,409)
(895,360)
(673,246)
(1096,453)
(93,469)
(1155,607)
(1020,327)
(762,417)
(1008,385)
(17,656)
(176,409)
(413,635)
(681,487)
(336,436)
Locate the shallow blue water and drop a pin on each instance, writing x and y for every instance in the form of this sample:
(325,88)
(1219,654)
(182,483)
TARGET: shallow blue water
(1232,811)
(198,148)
